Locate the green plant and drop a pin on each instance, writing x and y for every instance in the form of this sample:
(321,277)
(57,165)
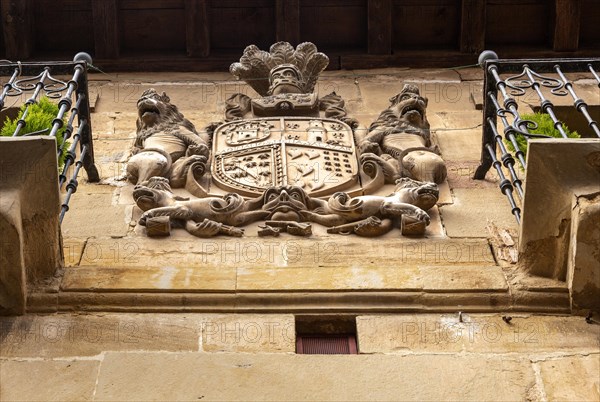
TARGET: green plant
(39,117)
(545,126)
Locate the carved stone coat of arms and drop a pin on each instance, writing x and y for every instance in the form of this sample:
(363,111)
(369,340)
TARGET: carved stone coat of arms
(317,155)
(287,159)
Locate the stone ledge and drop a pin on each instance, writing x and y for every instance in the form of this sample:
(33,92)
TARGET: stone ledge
(341,302)
(150,279)
(356,277)
(182,250)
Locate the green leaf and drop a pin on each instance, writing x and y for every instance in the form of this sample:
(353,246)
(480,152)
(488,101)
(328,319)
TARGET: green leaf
(545,126)
(40,116)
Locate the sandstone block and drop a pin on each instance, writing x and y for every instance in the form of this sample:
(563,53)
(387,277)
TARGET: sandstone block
(249,333)
(460,145)
(69,335)
(572,378)
(95,216)
(29,208)
(471,210)
(149,278)
(279,377)
(48,380)
(477,333)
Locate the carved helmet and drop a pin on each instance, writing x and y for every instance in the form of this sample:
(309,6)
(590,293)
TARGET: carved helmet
(258,67)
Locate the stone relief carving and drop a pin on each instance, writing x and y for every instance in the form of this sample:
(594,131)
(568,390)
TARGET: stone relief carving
(289,207)
(286,160)
(166,144)
(399,140)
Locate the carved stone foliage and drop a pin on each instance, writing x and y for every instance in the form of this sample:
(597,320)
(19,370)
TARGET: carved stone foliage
(287,159)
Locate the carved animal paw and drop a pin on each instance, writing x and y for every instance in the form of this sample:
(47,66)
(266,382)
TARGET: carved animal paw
(422,216)
(367,147)
(206,228)
(371,157)
(200,149)
(401,209)
(425,166)
(237,232)
(145,216)
(195,158)
(373,226)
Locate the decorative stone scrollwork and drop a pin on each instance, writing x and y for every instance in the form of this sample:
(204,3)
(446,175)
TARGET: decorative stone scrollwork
(290,207)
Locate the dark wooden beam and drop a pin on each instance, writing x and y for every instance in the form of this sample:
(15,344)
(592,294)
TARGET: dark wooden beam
(197,30)
(287,20)
(18,27)
(380,27)
(472,26)
(105,14)
(401,58)
(2,50)
(566,26)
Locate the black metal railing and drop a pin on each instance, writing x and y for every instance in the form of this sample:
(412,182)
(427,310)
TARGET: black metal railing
(33,80)
(504,82)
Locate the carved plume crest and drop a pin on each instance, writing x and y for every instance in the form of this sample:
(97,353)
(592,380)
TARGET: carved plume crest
(255,65)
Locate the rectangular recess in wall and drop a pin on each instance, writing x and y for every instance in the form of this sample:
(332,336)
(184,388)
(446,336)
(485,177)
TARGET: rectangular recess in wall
(326,335)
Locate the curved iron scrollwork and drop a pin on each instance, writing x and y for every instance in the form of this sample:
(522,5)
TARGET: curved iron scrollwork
(529,124)
(37,79)
(527,79)
(52,87)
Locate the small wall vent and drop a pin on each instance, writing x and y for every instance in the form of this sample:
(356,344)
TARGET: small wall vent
(326,344)
(326,335)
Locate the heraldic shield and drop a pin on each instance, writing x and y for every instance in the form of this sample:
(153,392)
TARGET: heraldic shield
(316,154)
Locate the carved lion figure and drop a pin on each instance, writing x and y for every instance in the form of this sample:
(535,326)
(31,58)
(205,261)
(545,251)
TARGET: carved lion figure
(364,215)
(167,144)
(418,193)
(399,140)
(372,215)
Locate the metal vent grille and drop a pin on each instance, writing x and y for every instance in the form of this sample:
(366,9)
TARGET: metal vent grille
(326,345)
